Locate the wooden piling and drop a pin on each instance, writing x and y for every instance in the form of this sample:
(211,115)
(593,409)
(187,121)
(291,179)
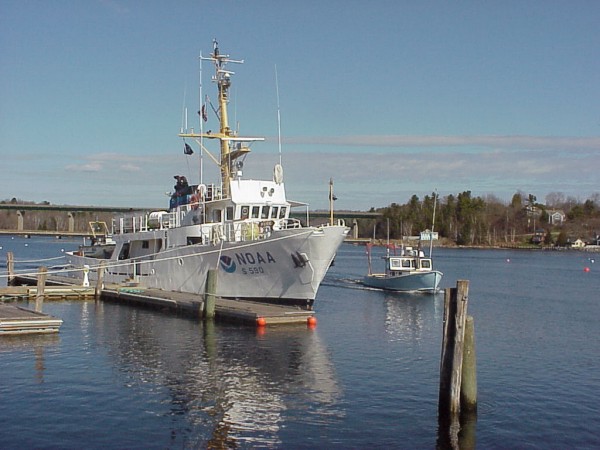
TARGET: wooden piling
(99,282)
(10,266)
(468,389)
(455,309)
(210,294)
(41,285)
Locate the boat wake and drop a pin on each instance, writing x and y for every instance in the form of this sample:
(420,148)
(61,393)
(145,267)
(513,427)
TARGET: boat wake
(348,283)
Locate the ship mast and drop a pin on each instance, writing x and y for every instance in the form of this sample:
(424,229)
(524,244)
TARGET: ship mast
(223,79)
(231,147)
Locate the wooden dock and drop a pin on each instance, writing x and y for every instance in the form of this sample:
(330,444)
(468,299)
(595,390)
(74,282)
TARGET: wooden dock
(16,320)
(50,293)
(245,311)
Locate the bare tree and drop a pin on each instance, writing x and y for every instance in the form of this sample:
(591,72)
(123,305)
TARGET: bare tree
(555,199)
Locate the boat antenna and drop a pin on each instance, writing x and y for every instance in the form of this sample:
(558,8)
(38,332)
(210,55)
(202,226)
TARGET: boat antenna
(387,247)
(278,114)
(432,223)
(184,111)
(201,117)
(184,127)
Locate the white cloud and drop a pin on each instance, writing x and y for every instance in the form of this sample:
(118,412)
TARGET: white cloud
(112,162)
(92,166)
(129,168)
(502,142)
(367,177)
(364,177)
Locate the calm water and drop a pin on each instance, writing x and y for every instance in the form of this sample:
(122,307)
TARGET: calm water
(367,377)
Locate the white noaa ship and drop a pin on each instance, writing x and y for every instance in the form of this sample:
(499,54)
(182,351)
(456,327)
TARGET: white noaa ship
(241,227)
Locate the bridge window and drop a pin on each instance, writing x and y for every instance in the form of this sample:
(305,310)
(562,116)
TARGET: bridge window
(255,212)
(191,240)
(124,254)
(282,212)
(274,211)
(229,213)
(395,263)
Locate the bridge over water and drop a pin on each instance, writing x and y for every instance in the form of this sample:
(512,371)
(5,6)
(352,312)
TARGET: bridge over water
(71,210)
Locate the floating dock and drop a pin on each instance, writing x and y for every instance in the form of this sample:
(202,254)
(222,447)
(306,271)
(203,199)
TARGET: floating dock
(239,310)
(50,293)
(16,320)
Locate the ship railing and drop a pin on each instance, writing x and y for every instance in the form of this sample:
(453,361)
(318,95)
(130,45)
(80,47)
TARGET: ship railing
(286,224)
(336,223)
(213,192)
(147,222)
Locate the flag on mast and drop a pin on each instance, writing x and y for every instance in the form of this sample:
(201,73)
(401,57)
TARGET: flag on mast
(187,150)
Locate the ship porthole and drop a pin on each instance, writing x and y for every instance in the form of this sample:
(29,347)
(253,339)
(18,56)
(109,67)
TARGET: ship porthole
(180,261)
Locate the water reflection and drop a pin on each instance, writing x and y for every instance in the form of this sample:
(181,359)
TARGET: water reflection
(457,432)
(409,317)
(228,385)
(36,344)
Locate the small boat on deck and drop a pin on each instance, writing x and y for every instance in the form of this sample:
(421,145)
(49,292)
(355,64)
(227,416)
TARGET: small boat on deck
(409,271)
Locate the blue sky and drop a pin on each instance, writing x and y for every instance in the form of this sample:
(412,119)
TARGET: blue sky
(390,98)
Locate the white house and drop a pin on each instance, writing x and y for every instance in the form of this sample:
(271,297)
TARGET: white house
(556,217)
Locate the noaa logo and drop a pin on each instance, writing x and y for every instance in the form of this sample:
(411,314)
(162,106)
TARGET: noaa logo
(227,264)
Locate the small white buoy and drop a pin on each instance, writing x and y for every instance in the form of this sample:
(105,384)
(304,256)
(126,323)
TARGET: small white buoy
(26,245)
(507,259)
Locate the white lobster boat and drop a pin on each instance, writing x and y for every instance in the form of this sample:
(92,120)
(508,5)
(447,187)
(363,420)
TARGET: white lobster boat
(241,227)
(410,271)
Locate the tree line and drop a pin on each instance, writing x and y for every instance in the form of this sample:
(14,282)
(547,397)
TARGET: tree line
(465,219)
(461,219)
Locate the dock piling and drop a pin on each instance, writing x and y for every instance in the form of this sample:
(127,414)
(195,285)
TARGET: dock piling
(455,310)
(457,405)
(468,389)
(10,266)
(41,286)
(99,282)
(210,294)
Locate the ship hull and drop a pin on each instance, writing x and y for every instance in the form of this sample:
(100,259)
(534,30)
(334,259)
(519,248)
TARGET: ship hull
(287,267)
